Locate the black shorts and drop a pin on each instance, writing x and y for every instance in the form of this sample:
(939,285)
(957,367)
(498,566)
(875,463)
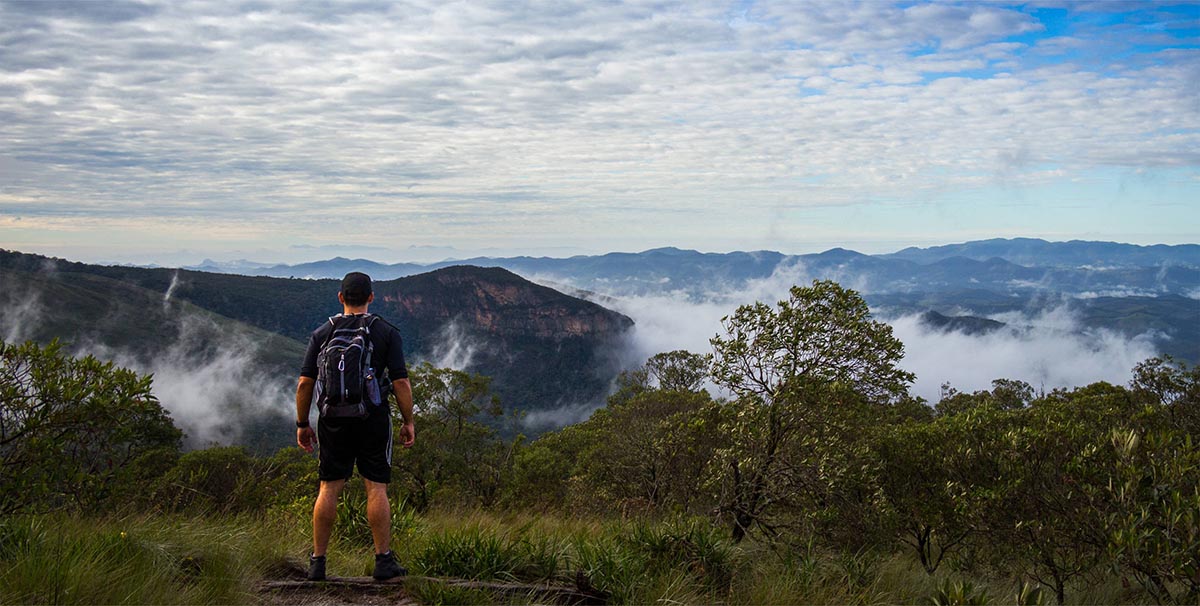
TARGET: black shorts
(344,442)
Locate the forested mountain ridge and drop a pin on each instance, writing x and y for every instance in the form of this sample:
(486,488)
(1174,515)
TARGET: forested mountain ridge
(550,348)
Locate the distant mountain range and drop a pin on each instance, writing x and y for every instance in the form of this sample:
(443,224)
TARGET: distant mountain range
(1126,288)
(1076,268)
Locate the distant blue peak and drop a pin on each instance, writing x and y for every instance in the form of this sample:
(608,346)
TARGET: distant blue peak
(668,250)
(841,252)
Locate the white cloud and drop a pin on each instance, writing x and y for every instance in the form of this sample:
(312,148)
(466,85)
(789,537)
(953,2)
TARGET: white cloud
(210,393)
(493,121)
(1047,350)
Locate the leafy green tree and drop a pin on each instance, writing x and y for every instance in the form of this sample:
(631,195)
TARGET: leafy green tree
(75,431)
(543,469)
(935,478)
(1049,513)
(1174,386)
(1155,519)
(679,370)
(651,450)
(1006,394)
(461,457)
(797,368)
(221,479)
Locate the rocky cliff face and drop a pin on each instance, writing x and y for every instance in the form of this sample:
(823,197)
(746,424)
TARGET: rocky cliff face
(497,302)
(542,348)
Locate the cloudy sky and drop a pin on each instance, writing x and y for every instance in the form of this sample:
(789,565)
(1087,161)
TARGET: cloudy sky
(169,132)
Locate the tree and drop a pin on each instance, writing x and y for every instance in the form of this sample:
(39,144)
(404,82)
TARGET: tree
(73,431)
(933,476)
(679,370)
(806,365)
(650,451)
(1006,394)
(461,456)
(1049,507)
(1174,386)
(1155,522)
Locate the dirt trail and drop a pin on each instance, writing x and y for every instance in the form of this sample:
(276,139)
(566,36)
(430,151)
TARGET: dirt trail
(289,586)
(330,594)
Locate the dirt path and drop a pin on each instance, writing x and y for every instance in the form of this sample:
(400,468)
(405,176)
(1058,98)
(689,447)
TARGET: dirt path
(289,586)
(330,594)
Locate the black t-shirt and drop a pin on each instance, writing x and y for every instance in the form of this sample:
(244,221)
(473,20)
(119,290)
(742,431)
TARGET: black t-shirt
(387,357)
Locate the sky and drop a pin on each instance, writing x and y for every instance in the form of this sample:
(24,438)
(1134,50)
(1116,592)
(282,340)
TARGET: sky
(170,132)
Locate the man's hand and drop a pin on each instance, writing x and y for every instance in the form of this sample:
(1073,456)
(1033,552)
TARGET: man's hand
(306,438)
(408,435)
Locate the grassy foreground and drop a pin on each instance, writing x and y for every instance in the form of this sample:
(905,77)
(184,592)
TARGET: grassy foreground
(218,560)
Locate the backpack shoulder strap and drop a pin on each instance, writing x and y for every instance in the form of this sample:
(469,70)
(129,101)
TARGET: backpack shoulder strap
(384,320)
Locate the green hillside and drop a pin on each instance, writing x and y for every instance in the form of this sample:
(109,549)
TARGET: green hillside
(548,348)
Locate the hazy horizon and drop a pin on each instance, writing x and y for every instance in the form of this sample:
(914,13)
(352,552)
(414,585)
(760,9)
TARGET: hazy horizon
(435,254)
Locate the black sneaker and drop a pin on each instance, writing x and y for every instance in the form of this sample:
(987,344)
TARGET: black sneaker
(386,567)
(316,568)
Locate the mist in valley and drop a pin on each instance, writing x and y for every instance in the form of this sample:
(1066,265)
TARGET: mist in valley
(1047,347)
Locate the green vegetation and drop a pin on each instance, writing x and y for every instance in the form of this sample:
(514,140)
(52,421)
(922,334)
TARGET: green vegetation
(819,481)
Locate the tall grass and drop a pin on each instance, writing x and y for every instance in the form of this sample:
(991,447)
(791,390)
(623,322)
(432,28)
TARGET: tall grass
(134,560)
(219,560)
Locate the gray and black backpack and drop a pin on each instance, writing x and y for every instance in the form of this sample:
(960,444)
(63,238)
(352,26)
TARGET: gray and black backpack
(346,382)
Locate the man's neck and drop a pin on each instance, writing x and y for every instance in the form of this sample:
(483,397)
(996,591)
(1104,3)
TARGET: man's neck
(352,311)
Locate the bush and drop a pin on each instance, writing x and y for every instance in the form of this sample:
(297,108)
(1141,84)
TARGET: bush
(75,431)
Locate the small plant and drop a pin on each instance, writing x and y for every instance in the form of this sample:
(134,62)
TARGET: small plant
(609,567)
(539,559)
(352,525)
(468,554)
(859,568)
(1030,594)
(958,593)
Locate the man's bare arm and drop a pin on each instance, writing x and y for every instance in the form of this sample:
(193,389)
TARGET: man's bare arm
(306,438)
(403,390)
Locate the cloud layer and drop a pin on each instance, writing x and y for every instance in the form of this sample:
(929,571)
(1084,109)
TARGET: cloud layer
(1048,349)
(477,123)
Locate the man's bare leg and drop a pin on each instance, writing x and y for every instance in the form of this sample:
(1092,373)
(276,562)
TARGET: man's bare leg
(325,514)
(379,515)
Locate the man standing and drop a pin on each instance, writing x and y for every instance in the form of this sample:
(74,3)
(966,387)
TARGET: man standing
(347,441)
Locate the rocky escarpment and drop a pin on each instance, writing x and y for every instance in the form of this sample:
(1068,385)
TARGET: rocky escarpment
(495,301)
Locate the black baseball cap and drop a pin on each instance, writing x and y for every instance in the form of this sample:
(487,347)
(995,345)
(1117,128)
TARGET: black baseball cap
(356,286)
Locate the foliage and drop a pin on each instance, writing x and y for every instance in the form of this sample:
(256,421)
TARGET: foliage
(929,478)
(1044,513)
(75,432)
(812,366)
(462,458)
(1174,386)
(1006,394)
(679,370)
(1155,522)
(821,335)
(959,593)
(649,452)
(228,479)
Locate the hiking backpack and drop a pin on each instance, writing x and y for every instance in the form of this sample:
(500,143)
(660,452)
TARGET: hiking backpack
(346,382)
